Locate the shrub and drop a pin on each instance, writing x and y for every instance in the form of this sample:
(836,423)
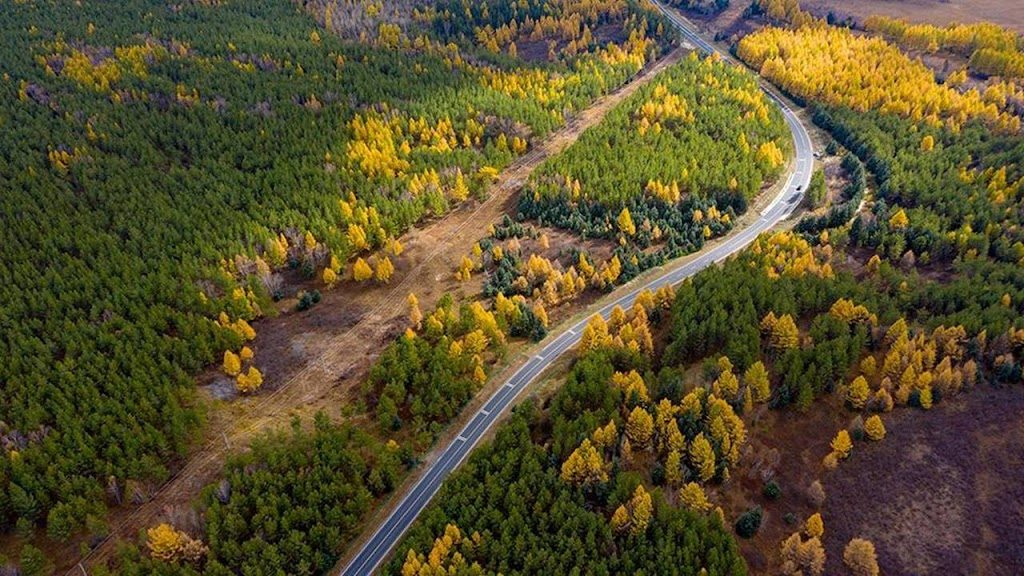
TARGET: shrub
(307,300)
(749,522)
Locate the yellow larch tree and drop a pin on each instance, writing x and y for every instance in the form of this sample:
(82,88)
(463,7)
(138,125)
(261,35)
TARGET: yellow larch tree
(857,394)
(702,457)
(415,315)
(639,427)
(673,468)
(692,496)
(330,278)
(841,444)
(250,381)
(899,220)
(232,363)
(164,542)
(625,223)
(784,333)
(874,428)
(632,385)
(641,510)
(385,269)
(361,271)
(605,436)
(541,313)
(859,557)
(584,466)
(756,379)
(595,335)
(814,526)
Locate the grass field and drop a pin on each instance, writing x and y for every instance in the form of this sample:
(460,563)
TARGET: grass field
(940,12)
(941,494)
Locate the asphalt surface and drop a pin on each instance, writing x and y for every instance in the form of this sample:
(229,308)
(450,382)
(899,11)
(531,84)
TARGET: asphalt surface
(376,549)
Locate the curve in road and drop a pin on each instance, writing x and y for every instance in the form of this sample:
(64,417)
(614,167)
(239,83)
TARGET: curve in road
(376,549)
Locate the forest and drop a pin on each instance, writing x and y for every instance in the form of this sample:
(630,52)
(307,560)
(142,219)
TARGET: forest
(670,168)
(634,439)
(990,49)
(904,305)
(552,493)
(163,164)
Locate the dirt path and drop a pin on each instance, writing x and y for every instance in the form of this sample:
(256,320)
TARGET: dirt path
(319,366)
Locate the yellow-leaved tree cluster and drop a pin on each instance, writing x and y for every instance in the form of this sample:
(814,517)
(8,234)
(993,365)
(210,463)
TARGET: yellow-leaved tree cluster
(789,254)
(992,50)
(834,66)
(645,430)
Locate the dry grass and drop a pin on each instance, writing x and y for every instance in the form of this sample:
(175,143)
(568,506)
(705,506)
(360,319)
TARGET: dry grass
(942,494)
(940,12)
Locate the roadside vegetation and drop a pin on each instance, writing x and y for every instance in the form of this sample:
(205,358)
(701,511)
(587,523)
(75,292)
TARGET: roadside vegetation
(171,170)
(671,168)
(425,376)
(904,305)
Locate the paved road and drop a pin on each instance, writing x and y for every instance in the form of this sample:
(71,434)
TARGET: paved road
(377,548)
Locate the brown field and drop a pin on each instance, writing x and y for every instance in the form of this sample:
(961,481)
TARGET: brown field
(941,494)
(1007,13)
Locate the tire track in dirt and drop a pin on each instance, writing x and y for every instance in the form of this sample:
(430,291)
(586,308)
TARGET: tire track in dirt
(347,355)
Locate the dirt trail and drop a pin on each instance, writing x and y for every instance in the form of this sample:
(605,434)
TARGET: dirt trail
(325,365)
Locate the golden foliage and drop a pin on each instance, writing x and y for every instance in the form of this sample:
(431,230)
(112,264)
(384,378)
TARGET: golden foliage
(802,557)
(788,254)
(446,557)
(250,381)
(584,466)
(415,315)
(232,363)
(874,428)
(384,269)
(756,379)
(625,223)
(171,545)
(361,271)
(631,384)
(859,557)
(639,427)
(605,436)
(846,311)
(815,527)
(692,496)
(635,514)
(858,392)
(841,444)
(330,277)
(783,334)
(834,66)
(702,457)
